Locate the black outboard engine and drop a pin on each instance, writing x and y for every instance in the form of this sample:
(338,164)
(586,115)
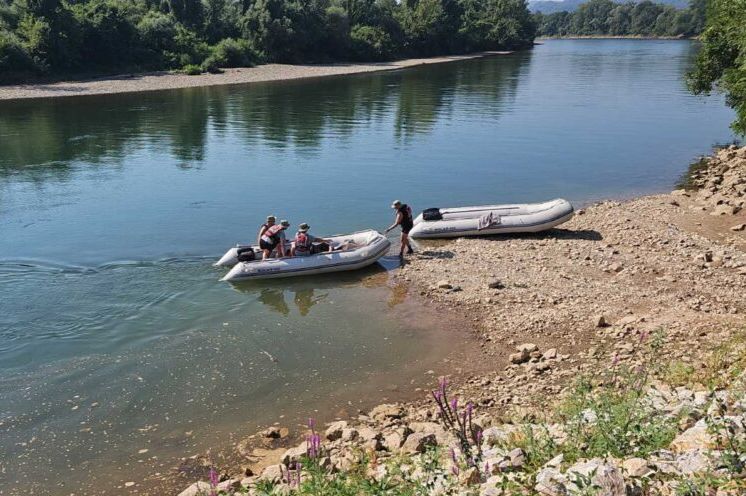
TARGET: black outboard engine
(246,254)
(432,214)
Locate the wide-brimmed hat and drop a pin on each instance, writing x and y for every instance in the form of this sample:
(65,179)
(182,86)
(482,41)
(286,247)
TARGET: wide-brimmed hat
(396,204)
(303,227)
(271,218)
(284,223)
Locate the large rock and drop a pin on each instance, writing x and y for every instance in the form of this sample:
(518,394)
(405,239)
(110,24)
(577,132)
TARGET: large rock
(551,482)
(724,209)
(294,455)
(694,461)
(419,442)
(519,357)
(371,438)
(696,437)
(387,412)
(394,440)
(196,489)
(606,476)
(335,430)
(636,467)
(272,473)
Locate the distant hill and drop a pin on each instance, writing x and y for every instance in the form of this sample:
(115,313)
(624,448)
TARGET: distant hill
(548,6)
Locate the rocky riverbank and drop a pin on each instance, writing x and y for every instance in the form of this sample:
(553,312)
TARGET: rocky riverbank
(616,345)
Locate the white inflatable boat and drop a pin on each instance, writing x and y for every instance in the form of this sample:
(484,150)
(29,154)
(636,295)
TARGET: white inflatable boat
(491,219)
(351,252)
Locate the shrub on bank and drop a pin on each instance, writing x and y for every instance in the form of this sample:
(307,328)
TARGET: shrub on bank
(192,70)
(15,60)
(370,43)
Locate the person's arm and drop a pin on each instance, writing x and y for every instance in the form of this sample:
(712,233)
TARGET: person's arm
(396,222)
(261,232)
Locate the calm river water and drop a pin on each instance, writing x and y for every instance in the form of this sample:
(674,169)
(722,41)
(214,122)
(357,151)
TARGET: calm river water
(115,335)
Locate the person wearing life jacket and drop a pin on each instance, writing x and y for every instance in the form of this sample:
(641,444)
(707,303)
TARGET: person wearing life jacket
(274,237)
(271,219)
(303,245)
(406,222)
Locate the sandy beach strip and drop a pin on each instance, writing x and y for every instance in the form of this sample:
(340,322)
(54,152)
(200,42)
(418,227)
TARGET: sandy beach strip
(153,81)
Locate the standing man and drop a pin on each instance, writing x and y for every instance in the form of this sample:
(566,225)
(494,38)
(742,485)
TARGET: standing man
(405,221)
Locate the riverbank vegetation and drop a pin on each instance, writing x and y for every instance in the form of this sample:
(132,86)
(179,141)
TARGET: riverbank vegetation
(609,18)
(54,38)
(722,61)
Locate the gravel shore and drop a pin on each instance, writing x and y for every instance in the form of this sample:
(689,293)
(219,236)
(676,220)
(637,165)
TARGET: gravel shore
(656,283)
(132,83)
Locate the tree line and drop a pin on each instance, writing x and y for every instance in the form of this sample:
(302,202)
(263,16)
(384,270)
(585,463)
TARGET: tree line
(721,62)
(57,37)
(609,18)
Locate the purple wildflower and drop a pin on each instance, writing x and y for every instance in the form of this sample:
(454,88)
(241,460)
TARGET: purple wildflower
(214,480)
(454,470)
(453,455)
(478,437)
(311,423)
(454,404)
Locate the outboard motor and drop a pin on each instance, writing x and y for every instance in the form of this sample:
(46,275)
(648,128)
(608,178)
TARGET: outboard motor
(432,214)
(246,255)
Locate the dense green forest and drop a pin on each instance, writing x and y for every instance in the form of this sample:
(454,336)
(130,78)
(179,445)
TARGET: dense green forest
(59,37)
(722,60)
(608,18)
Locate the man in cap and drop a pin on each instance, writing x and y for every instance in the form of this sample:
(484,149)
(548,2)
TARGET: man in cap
(406,222)
(271,219)
(274,237)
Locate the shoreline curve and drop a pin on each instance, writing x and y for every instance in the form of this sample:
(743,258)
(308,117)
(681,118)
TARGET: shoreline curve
(164,80)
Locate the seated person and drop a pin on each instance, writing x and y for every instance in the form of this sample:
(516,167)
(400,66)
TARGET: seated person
(303,245)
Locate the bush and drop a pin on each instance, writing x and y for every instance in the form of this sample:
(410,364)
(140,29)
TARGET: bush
(157,31)
(233,53)
(615,418)
(191,70)
(370,43)
(15,60)
(109,37)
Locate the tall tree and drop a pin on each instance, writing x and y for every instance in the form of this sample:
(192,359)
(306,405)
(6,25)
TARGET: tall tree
(722,60)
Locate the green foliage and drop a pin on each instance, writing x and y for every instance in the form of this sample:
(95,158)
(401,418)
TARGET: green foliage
(58,37)
(607,17)
(370,43)
(14,56)
(722,60)
(229,53)
(614,419)
(191,70)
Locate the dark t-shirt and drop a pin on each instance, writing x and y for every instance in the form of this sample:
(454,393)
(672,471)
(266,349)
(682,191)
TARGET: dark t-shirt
(406,220)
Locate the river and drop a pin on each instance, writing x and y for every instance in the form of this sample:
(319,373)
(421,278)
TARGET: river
(116,336)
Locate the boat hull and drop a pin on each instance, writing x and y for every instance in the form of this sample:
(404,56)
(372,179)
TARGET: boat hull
(519,218)
(373,246)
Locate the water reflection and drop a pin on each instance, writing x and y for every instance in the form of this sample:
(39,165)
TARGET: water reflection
(52,134)
(308,292)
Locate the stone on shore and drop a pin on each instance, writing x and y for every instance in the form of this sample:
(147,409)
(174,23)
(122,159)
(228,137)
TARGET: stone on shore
(418,442)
